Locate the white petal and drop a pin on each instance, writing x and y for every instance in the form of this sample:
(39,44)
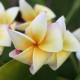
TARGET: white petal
(76,33)
(22,26)
(4,36)
(39,59)
(49,13)
(53,40)
(1,6)
(2,14)
(78,55)
(11,14)
(57,59)
(37,29)
(24,57)
(62,25)
(70,42)
(27,11)
(12,25)
(20,41)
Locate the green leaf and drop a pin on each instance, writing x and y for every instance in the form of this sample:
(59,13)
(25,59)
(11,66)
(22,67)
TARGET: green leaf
(14,70)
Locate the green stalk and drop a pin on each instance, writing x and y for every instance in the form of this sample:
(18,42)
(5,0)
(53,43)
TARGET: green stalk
(73,60)
(75,7)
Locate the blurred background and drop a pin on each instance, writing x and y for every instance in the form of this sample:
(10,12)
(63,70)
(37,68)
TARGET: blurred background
(71,10)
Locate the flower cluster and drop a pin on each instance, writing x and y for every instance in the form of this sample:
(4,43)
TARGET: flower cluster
(42,41)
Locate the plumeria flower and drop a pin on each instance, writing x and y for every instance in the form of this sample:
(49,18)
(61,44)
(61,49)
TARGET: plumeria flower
(6,18)
(70,44)
(42,44)
(28,13)
(37,44)
(77,35)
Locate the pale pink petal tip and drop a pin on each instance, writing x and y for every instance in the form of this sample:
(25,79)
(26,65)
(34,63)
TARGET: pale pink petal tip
(14,53)
(17,52)
(32,70)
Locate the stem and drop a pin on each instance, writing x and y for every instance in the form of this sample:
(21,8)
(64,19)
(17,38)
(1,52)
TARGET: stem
(75,7)
(73,60)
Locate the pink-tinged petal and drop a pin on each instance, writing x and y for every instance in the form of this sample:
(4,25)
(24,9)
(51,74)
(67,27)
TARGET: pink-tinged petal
(37,29)
(49,13)
(24,57)
(57,59)
(20,41)
(2,14)
(22,26)
(27,11)
(53,40)
(76,33)
(61,24)
(11,14)
(70,42)
(39,59)
(78,55)
(4,36)
(1,49)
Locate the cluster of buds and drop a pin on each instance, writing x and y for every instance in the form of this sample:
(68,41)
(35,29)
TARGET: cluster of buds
(42,41)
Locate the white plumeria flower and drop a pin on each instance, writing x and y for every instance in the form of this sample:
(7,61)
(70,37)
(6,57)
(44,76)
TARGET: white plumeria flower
(77,35)
(6,18)
(41,45)
(70,44)
(37,44)
(28,13)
